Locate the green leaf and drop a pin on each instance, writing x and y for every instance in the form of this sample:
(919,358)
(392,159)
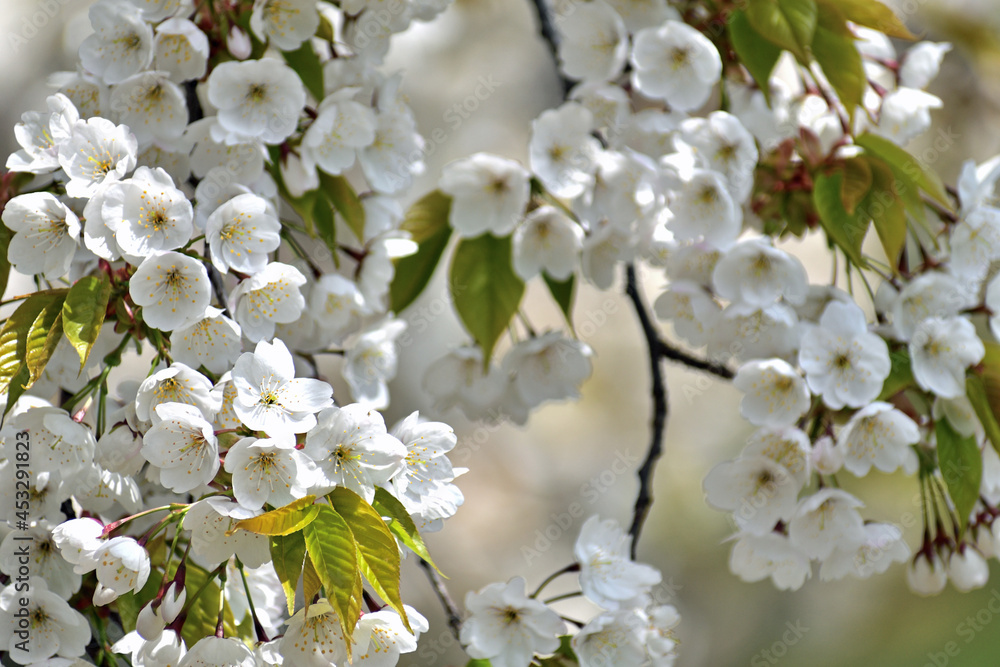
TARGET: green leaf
(15,348)
(44,335)
(401,524)
(872,14)
(427,223)
(5,236)
(326,228)
(331,546)
(789,24)
(756,53)
(846,230)
(905,166)
(378,554)
(887,210)
(856,184)
(306,64)
(285,520)
(203,613)
(478,663)
(900,375)
(83,313)
(562,292)
(287,555)
(128,610)
(340,193)
(310,581)
(834,50)
(961,465)
(975,389)
(484,288)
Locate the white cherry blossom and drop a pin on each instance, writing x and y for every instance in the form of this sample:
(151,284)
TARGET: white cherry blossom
(371,362)
(676,63)
(757,273)
(488,194)
(218,652)
(183,446)
(758,490)
(151,215)
(269,297)
(594,43)
(213,342)
(258,99)
(883,545)
(284,23)
(40,134)
(562,153)
(268,470)
(843,361)
(825,521)
(940,351)
(122,42)
(342,128)
(151,105)
(45,234)
(380,637)
(181,50)
(270,398)
(774,393)
(703,208)
(879,435)
(210,521)
(352,448)
(172,288)
(97,152)
(178,383)
(608,576)
(56,628)
(547,241)
(122,566)
(757,557)
(241,232)
(548,367)
(506,627)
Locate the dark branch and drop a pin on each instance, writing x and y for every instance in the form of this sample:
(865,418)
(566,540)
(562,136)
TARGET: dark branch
(551,37)
(672,353)
(659,392)
(450,608)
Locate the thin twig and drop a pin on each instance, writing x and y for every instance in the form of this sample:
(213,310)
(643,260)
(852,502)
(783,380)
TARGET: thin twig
(548,30)
(450,608)
(659,394)
(668,351)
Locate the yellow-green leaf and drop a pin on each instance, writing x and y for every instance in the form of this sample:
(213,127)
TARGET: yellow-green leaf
(887,210)
(427,223)
(306,64)
(331,546)
(873,14)
(401,524)
(975,389)
(961,465)
(900,375)
(846,230)
(203,612)
(287,555)
(311,583)
(789,24)
(905,166)
(562,292)
(484,288)
(15,332)
(4,262)
(83,313)
(43,337)
(756,53)
(378,554)
(340,193)
(291,518)
(834,50)
(856,184)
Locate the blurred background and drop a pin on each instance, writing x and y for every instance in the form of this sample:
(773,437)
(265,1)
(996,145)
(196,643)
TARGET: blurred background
(523,483)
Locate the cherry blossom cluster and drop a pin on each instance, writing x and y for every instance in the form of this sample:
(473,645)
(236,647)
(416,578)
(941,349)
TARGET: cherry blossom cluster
(200,172)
